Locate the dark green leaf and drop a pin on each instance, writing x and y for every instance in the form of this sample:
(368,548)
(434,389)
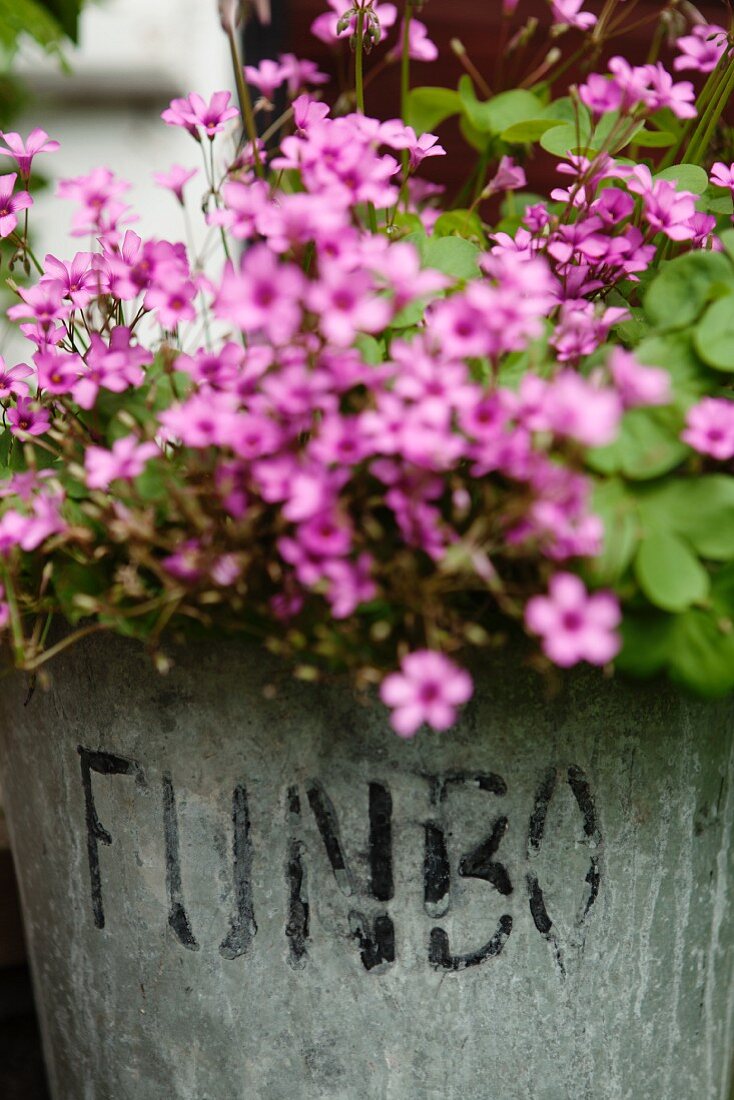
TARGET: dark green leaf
(654,139)
(675,352)
(459,223)
(569,138)
(646,642)
(677,296)
(66,13)
(702,653)
(495,115)
(522,133)
(669,573)
(32,18)
(453,256)
(618,510)
(701,510)
(714,335)
(687,177)
(428,107)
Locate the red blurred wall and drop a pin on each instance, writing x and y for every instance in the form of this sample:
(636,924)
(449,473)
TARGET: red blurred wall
(478,24)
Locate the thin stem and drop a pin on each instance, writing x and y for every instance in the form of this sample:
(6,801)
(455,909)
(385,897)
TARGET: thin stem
(359,93)
(35,662)
(466,62)
(405,62)
(704,132)
(16,626)
(22,243)
(243,94)
(702,104)
(359,63)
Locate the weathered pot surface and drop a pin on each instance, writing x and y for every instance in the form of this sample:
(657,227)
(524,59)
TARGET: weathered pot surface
(237,887)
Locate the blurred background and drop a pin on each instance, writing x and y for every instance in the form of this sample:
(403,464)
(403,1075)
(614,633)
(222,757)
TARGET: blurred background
(97,79)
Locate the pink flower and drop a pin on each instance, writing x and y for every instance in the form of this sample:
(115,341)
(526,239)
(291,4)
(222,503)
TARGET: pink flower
(347,305)
(600,94)
(45,521)
(574,625)
(710,428)
(637,384)
(702,49)
(23,152)
(429,688)
(571,406)
(44,303)
(58,371)
(420,46)
(79,280)
(194,113)
(405,137)
(203,420)
(722,176)
(175,180)
(263,296)
(679,98)
(172,298)
(185,564)
(126,461)
(111,367)
(307,111)
(567,12)
(10,204)
(28,418)
(350,584)
(101,210)
(267,77)
(299,72)
(508,177)
(12,380)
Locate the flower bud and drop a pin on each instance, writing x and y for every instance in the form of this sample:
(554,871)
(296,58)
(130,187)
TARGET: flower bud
(232,12)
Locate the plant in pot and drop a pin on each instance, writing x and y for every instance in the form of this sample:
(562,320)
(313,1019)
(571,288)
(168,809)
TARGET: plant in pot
(367,462)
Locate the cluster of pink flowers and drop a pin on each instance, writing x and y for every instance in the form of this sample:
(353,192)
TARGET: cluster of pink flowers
(333,424)
(637,88)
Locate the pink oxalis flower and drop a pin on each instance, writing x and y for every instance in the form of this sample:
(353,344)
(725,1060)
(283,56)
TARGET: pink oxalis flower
(428,689)
(710,428)
(573,624)
(126,460)
(11,204)
(23,152)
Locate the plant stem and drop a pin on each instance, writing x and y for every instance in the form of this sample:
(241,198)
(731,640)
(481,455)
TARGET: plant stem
(701,138)
(405,62)
(35,662)
(359,93)
(359,63)
(703,103)
(243,94)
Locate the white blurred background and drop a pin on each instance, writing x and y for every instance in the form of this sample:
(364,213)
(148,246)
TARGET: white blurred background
(133,57)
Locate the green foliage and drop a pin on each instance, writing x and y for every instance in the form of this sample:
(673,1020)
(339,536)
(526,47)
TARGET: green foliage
(669,536)
(429,107)
(714,336)
(669,573)
(498,114)
(687,177)
(647,446)
(453,256)
(48,22)
(677,296)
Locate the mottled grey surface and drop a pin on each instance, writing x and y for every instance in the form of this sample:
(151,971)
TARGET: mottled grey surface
(627,998)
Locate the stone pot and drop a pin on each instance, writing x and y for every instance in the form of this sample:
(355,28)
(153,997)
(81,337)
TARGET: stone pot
(237,887)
